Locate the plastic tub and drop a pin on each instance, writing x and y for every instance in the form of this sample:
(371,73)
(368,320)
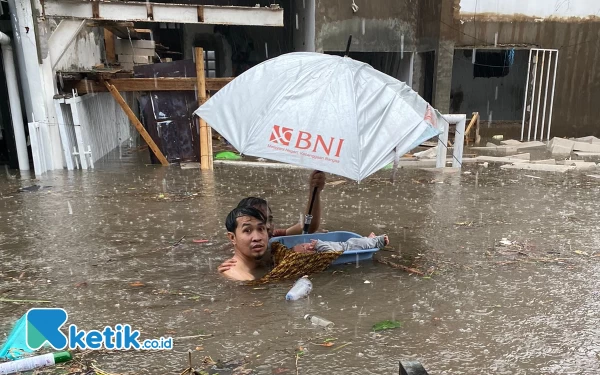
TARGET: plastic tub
(349,256)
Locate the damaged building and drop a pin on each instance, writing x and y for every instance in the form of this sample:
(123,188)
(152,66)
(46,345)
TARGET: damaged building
(528,68)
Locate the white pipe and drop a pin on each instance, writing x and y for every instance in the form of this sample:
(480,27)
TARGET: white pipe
(552,101)
(537,116)
(442,151)
(459,138)
(15,102)
(546,95)
(535,67)
(526,95)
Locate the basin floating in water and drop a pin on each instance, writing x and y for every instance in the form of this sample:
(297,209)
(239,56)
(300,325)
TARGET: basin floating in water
(339,236)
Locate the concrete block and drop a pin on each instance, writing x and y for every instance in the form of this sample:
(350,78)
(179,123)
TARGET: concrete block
(135,43)
(427,154)
(588,154)
(586,147)
(126,66)
(588,139)
(561,151)
(522,156)
(495,159)
(125,49)
(506,150)
(539,167)
(134,59)
(545,161)
(511,142)
(498,150)
(579,165)
(534,144)
(561,146)
(444,170)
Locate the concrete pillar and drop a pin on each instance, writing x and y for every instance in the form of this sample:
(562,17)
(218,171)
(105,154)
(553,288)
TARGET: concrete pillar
(417,81)
(444,59)
(37,75)
(443,76)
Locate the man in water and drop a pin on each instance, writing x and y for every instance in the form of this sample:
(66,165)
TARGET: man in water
(247,231)
(317,179)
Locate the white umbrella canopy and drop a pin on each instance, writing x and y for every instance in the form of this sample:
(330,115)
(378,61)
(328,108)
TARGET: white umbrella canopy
(323,112)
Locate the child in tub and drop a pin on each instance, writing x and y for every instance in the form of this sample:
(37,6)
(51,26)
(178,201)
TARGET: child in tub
(359,243)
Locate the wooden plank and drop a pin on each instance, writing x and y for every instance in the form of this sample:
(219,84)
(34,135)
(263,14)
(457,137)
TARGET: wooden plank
(471,124)
(210,145)
(477,136)
(150,84)
(205,131)
(109,45)
(123,32)
(138,125)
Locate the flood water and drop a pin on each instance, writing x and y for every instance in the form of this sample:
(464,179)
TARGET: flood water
(115,245)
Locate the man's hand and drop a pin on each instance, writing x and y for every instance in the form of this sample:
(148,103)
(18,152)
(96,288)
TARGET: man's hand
(227,265)
(317,179)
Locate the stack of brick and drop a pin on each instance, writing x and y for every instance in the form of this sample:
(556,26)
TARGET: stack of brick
(134,52)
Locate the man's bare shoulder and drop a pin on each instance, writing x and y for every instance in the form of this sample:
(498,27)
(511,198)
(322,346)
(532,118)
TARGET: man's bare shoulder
(235,275)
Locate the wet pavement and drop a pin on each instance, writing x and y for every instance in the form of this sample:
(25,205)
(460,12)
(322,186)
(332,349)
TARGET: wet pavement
(115,245)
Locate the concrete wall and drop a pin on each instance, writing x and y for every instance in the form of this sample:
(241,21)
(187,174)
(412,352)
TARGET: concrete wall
(578,79)
(499,98)
(378,26)
(428,27)
(303,25)
(532,8)
(86,51)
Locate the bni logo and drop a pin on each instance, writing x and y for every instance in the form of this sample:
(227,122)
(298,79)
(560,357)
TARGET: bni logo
(43,325)
(281,135)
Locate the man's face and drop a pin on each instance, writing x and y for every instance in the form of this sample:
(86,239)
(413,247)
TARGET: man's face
(250,237)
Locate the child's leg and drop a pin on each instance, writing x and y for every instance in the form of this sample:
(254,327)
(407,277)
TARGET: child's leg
(364,243)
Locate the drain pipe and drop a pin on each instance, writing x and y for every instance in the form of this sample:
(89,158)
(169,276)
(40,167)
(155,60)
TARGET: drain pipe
(15,101)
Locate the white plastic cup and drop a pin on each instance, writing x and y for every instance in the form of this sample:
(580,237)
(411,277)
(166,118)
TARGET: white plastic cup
(318,321)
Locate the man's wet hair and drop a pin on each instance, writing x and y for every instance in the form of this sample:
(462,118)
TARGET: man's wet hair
(231,220)
(252,202)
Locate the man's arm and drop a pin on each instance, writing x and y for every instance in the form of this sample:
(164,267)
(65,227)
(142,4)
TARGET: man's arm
(317,179)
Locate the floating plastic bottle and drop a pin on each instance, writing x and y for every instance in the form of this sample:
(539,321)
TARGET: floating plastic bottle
(318,321)
(31,363)
(301,288)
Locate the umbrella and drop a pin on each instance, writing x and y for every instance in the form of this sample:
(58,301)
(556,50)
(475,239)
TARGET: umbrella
(323,112)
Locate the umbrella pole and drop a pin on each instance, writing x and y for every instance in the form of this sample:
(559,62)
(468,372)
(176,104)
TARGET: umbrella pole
(308,218)
(348,46)
(395,169)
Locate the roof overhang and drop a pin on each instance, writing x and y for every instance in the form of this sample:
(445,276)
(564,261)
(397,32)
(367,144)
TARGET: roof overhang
(159,12)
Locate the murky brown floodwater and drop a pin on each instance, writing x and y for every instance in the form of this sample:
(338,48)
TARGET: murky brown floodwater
(483,311)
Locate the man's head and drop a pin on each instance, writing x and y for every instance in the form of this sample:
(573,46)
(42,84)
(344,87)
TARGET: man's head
(247,231)
(261,205)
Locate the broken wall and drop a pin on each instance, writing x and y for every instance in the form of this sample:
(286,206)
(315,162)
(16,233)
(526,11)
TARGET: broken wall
(85,52)
(571,26)
(578,79)
(377,26)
